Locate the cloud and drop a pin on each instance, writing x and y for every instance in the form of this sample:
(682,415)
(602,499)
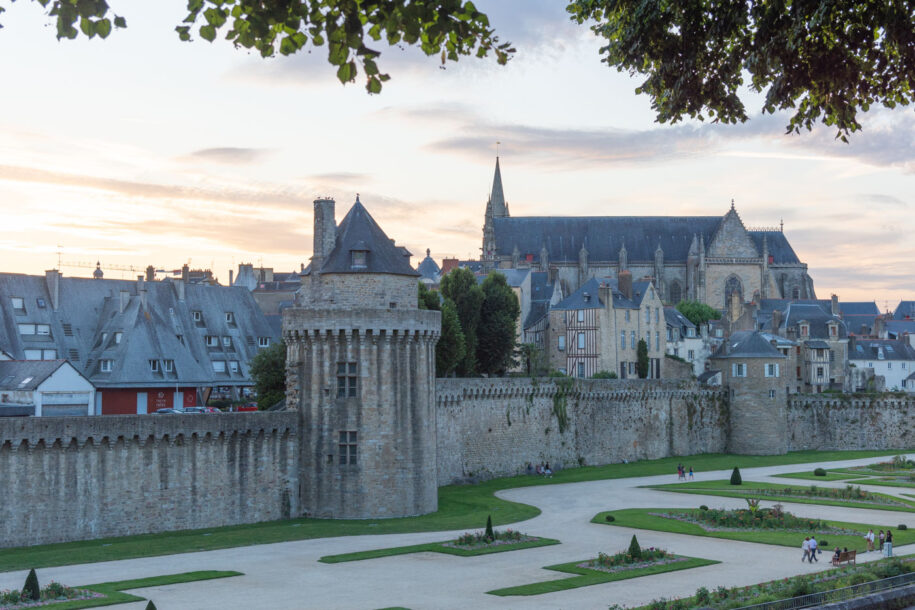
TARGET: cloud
(881,199)
(342,177)
(230,155)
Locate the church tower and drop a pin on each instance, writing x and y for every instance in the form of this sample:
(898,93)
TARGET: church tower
(496,207)
(360,370)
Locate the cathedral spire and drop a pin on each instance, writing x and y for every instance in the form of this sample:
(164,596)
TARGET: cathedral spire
(497,197)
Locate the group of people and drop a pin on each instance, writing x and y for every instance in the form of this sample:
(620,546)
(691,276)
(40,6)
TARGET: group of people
(885,539)
(811,549)
(541,469)
(681,472)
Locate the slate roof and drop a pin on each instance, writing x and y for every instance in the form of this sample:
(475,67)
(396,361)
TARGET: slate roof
(603,236)
(588,295)
(707,375)
(747,344)
(817,316)
(869,349)
(904,309)
(359,231)
(83,329)
(428,268)
(26,374)
(675,319)
(513,277)
(863,308)
(541,293)
(896,328)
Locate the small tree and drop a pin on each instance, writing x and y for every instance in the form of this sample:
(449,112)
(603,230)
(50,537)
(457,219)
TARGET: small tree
(641,365)
(31,590)
(268,370)
(634,549)
(735,477)
(450,349)
(490,535)
(698,313)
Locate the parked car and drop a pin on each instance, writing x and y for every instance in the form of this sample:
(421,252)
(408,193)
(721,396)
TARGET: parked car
(194,410)
(167,412)
(213,410)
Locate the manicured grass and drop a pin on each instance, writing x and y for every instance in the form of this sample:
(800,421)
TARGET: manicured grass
(461,507)
(808,475)
(725,489)
(886,482)
(585,577)
(436,547)
(114,591)
(639,518)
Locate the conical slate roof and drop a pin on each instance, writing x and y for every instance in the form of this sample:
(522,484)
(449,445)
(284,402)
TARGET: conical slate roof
(360,233)
(428,268)
(497,197)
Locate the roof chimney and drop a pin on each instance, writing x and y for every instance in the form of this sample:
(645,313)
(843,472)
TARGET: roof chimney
(325,232)
(185,273)
(124,298)
(231,275)
(141,290)
(150,274)
(52,279)
(625,283)
(776,321)
(835,305)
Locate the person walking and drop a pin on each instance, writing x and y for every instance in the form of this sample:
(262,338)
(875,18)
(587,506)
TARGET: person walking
(870,540)
(888,544)
(690,473)
(813,549)
(806,548)
(881,537)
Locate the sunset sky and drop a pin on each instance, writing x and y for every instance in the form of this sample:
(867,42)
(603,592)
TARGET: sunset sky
(144,150)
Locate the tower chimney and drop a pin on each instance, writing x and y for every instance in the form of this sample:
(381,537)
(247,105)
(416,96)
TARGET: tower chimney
(185,273)
(625,283)
(325,232)
(52,279)
(835,305)
(150,274)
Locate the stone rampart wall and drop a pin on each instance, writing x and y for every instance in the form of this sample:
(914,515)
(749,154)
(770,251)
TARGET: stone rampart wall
(495,427)
(74,478)
(848,422)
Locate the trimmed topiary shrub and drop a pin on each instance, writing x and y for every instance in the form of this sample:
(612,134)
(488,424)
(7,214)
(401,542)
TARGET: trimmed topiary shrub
(634,549)
(902,526)
(610,518)
(735,477)
(819,472)
(31,590)
(150,606)
(490,535)
(703,507)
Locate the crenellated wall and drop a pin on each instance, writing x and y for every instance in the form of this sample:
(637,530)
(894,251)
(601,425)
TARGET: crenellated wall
(74,478)
(849,422)
(495,427)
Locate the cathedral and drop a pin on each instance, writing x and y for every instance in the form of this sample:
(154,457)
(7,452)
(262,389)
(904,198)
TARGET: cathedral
(702,258)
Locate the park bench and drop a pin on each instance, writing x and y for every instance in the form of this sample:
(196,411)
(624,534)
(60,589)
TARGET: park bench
(847,557)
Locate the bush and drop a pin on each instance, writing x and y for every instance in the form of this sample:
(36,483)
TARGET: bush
(703,596)
(861,578)
(735,477)
(634,549)
(31,590)
(610,518)
(800,587)
(819,472)
(150,606)
(902,526)
(604,375)
(703,507)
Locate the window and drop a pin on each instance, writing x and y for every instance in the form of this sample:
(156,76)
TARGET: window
(623,339)
(772,370)
(227,341)
(805,330)
(233,366)
(263,341)
(690,355)
(581,340)
(230,318)
(197,316)
(562,343)
(346,379)
(154,366)
(581,369)
(34,329)
(33,354)
(819,371)
(771,393)
(670,334)
(117,337)
(42,329)
(739,370)
(657,315)
(632,339)
(212,341)
(41,303)
(359,259)
(833,330)
(690,332)
(347,447)
(627,315)
(104,366)
(870,365)
(889,365)
(581,315)
(169,366)
(903,366)
(657,340)
(219,366)
(648,315)
(41,354)
(18,304)
(719,332)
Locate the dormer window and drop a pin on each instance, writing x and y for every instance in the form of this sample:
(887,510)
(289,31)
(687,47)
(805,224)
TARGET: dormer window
(833,330)
(117,337)
(169,366)
(104,366)
(154,366)
(359,258)
(197,316)
(805,330)
(230,318)
(18,305)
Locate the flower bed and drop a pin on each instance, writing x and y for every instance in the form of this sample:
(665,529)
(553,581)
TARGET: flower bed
(470,541)
(853,493)
(624,560)
(721,520)
(53,593)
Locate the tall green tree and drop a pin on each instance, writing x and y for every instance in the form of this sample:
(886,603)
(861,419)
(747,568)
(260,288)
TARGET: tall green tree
(460,286)
(428,299)
(698,313)
(533,359)
(268,369)
(450,349)
(641,363)
(498,330)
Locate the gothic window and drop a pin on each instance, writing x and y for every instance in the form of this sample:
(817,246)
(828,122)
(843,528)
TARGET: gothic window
(730,287)
(346,380)
(675,292)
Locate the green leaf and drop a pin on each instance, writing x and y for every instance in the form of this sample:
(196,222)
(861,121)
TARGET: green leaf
(347,72)
(373,85)
(103,28)
(208,32)
(87,27)
(120,22)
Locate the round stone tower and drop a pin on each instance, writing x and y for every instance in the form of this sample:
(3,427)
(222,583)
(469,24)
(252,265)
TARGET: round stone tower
(360,368)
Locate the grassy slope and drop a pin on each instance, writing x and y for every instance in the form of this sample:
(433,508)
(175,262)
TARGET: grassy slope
(725,489)
(436,547)
(639,518)
(585,577)
(460,507)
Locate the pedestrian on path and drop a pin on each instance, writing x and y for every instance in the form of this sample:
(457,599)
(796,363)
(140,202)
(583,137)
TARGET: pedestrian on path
(882,537)
(806,548)
(870,540)
(813,549)
(888,544)
(690,473)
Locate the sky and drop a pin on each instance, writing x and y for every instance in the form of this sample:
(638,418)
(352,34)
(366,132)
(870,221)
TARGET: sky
(144,150)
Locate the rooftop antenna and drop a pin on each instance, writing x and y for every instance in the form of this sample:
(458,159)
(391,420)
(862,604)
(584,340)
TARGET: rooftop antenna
(781,225)
(58,256)
(498,143)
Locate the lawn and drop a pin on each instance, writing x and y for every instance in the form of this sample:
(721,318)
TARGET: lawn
(585,577)
(114,591)
(436,547)
(639,518)
(725,489)
(461,507)
(808,475)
